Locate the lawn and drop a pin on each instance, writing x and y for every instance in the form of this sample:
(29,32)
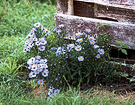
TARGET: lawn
(17,18)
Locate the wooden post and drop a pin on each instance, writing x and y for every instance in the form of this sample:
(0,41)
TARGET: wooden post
(70,7)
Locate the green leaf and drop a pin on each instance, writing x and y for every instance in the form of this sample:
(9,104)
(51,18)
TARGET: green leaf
(119,42)
(124,51)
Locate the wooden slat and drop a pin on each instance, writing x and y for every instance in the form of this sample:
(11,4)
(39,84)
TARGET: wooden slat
(106,3)
(110,12)
(121,31)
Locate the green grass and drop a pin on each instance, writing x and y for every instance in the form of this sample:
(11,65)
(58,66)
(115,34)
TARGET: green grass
(70,97)
(22,15)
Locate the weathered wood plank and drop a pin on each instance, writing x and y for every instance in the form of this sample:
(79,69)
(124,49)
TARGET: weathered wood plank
(96,10)
(117,3)
(121,31)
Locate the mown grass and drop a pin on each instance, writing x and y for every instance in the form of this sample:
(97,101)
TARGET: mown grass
(14,85)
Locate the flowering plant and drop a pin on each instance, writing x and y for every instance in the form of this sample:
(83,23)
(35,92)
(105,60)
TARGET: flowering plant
(36,43)
(84,59)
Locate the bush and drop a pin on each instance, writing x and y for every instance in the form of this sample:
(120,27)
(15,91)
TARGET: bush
(84,60)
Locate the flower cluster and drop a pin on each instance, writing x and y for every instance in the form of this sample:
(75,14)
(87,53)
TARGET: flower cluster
(53,92)
(81,39)
(38,66)
(33,38)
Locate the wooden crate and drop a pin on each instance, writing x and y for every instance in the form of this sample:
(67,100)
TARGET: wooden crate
(77,15)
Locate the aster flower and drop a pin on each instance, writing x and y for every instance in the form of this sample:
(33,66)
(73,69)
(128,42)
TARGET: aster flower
(36,61)
(78,48)
(33,37)
(95,46)
(51,88)
(101,51)
(34,67)
(28,48)
(44,74)
(88,30)
(98,56)
(59,49)
(45,61)
(32,74)
(41,48)
(71,45)
(80,58)
(56,91)
(36,72)
(38,57)
(68,49)
(40,69)
(41,61)
(91,38)
(31,33)
(45,66)
(37,43)
(37,25)
(28,36)
(31,45)
(26,42)
(43,42)
(78,34)
(79,40)
(50,93)
(92,42)
(32,59)
(61,26)
(42,39)
(59,31)
(46,70)
(47,32)
(30,40)
(29,61)
(40,82)
(25,49)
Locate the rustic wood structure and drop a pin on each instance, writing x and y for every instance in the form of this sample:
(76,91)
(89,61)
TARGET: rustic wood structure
(77,15)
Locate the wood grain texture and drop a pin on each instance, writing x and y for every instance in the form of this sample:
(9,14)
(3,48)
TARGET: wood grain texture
(108,12)
(121,31)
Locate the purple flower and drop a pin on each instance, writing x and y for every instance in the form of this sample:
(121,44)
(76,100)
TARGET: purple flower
(91,38)
(80,58)
(37,25)
(32,74)
(98,56)
(88,30)
(59,31)
(38,57)
(78,34)
(40,82)
(79,40)
(42,48)
(68,49)
(78,48)
(101,51)
(61,26)
(56,91)
(95,46)
(44,74)
(92,42)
